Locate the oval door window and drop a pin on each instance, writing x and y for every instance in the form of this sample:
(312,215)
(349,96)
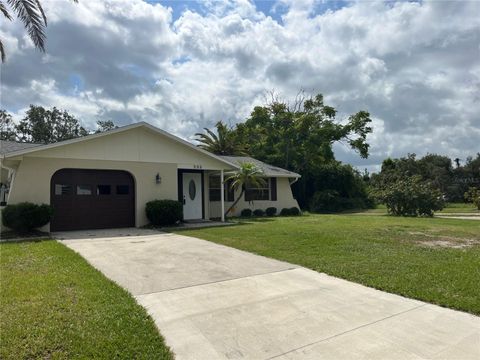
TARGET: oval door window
(192,189)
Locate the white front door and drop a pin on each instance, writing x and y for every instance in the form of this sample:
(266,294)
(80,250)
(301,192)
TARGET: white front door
(192,196)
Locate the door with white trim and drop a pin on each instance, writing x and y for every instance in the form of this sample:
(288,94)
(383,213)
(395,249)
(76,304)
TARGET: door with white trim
(192,196)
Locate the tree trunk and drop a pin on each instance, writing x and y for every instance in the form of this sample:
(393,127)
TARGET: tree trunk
(235,203)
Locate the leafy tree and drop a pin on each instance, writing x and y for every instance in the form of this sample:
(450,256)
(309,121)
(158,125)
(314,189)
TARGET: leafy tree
(223,142)
(437,169)
(339,187)
(7,127)
(473,196)
(457,162)
(31,13)
(105,125)
(411,196)
(247,176)
(299,136)
(46,126)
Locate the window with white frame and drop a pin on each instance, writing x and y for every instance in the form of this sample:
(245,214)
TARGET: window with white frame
(261,192)
(215,187)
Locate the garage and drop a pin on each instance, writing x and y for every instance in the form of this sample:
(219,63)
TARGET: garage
(92,199)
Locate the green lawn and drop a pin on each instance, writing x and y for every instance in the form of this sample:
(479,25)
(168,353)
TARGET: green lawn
(54,305)
(460,208)
(432,259)
(449,208)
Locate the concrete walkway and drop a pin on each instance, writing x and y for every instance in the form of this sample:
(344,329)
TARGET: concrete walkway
(214,302)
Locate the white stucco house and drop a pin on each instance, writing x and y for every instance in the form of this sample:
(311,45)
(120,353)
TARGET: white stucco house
(104,180)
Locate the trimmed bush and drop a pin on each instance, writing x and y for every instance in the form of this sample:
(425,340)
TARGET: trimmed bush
(24,217)
(294,211)
(411,196)
(258,212)
(246,213)
(285,212)
(271,211)
(164,212)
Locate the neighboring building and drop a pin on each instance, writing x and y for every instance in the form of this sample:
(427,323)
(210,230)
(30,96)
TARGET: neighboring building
(104,180)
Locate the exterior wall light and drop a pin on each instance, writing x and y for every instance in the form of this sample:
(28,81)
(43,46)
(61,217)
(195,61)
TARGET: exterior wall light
(158,179)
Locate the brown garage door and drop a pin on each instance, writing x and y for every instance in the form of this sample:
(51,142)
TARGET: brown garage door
(92,199)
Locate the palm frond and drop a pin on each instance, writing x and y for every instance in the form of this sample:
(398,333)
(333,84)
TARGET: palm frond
(31,14)
(2,51)
(39,7)
(4,11)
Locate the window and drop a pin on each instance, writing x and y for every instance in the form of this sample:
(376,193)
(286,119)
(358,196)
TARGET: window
(258,193)
(214,189)
(103,189)
(62,189)
(122,189)
(84,189)
(192,189)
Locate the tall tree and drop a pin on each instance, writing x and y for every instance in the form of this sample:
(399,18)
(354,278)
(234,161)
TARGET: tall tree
(31,13)
(44,126)
(438,170)
(457,162)
(300,136)
(105,125)
(223,142)
(7,127)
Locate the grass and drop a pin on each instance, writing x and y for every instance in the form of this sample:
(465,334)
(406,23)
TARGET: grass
(460,208)
(54,305)
(431,259)
(448,209)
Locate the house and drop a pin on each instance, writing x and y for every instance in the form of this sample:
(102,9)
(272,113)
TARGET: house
(104,180)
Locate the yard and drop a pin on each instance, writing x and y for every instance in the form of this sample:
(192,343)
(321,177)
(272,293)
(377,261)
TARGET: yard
(450,208)
(53,304)
(431,259)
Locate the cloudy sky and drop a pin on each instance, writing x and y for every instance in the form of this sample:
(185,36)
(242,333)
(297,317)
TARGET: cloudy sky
(182,66)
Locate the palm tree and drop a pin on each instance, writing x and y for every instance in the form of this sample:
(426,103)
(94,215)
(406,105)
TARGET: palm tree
(31,13)
(222,143)
(248,175)
(457,162)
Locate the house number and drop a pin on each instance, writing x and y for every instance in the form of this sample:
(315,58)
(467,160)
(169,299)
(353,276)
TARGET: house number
(197,166)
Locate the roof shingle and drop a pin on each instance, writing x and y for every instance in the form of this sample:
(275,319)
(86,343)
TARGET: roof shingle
(269,170)
(11,146)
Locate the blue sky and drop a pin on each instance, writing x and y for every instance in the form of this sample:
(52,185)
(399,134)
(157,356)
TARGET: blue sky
(183,66)
(272,8)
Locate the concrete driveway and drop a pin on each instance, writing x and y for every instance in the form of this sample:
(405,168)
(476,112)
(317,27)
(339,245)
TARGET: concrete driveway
(214,302)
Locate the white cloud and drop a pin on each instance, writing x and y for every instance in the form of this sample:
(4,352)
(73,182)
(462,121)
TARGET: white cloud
(414,66)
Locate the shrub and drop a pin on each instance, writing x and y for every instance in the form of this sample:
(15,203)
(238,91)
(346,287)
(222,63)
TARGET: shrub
(246,213)
(473,196)
(411,197)
(24,217)
(294,211)
(285,212)
(258,212)
(330,201)
(271,211)
(164,212)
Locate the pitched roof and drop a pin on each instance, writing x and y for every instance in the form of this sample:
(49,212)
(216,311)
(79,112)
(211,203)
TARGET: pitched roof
(269,170)
(11,146)
(27,150)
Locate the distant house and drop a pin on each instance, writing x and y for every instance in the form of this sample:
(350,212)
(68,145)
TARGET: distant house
(104,180)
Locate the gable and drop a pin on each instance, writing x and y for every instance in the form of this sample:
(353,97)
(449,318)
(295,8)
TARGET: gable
(137,144)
